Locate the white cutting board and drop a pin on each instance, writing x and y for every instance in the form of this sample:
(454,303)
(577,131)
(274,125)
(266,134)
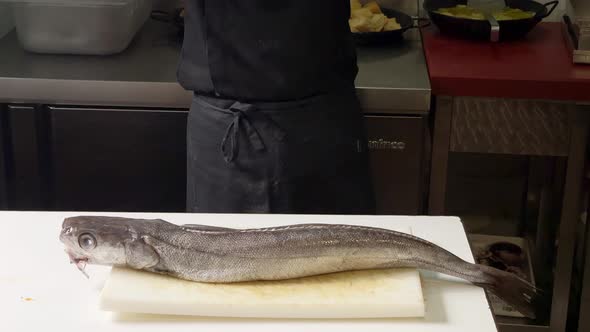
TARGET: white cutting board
(391,293)
(361,294)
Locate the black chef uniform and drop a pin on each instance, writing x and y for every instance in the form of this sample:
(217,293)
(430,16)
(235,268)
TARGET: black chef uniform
(275,125)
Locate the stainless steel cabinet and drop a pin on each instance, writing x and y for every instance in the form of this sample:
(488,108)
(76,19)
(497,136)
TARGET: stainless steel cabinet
(131,159)
(26,184)
(117,159)
(397,148)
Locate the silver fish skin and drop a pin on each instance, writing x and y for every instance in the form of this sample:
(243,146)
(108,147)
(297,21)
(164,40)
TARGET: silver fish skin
(224,255)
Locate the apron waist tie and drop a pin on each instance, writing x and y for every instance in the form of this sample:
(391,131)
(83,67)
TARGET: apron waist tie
(242,115)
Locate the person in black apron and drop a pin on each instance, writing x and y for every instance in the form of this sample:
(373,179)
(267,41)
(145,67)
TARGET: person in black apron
(275,125)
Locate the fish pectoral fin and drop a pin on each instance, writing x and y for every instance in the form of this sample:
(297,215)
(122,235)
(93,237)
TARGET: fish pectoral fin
(140,254)
(207,228)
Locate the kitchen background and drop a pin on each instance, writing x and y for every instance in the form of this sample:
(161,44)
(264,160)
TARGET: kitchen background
(62,159)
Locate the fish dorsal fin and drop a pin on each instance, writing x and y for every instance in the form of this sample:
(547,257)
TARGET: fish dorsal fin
(207,228)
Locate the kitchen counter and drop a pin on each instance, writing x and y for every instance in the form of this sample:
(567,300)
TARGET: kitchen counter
(537,67)
(42,291)
(391,78)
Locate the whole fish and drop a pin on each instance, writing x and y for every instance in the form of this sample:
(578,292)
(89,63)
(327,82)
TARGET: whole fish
(225,255)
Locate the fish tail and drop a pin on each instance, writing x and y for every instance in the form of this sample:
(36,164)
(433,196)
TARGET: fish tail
(517,292)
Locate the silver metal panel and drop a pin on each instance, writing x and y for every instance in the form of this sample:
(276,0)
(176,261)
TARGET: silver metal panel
(94,93)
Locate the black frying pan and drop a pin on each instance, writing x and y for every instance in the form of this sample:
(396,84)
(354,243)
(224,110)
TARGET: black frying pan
(387,37)
(482,30)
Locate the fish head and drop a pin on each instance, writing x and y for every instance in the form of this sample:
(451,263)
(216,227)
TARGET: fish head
(95,240)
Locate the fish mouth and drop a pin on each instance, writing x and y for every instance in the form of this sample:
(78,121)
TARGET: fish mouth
(79,261)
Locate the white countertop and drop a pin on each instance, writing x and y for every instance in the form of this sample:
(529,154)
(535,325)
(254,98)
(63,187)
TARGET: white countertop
(41,291)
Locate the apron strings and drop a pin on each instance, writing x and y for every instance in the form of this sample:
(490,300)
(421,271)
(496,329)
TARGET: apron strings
(242,116)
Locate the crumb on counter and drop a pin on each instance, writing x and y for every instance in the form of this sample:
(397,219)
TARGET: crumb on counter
(26,299)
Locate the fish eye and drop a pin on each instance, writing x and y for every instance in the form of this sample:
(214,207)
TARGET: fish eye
(87,241)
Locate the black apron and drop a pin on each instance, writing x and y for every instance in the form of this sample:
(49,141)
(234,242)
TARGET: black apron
(306,156)
(275,125)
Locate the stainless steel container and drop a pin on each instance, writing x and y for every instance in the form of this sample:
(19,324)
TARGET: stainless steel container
(95,27)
